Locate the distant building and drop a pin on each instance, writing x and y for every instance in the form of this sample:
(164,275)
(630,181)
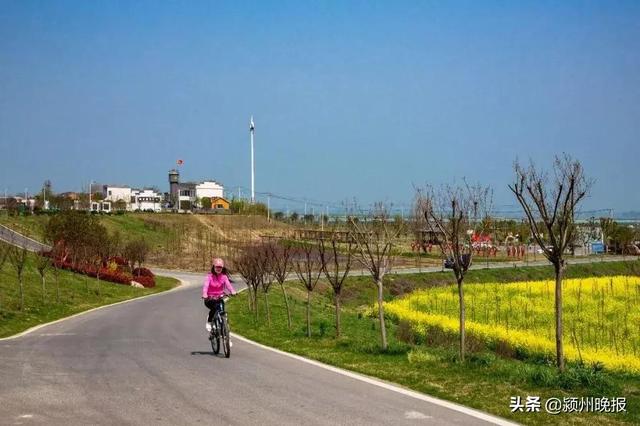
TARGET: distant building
(117,194)
(101,206)
(219,203)
(146,200)
(191,193)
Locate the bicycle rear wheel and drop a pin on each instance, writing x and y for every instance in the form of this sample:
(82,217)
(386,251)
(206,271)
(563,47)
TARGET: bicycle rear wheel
(224,331)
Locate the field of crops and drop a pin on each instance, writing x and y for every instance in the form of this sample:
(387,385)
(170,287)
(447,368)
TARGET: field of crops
(601,317)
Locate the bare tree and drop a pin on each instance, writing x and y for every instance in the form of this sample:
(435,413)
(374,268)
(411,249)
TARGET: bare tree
(336,266)
(280,254)
(137,251)
(18,258)
(265,274)
(102,245)
(549,205)
(246,262)
(43,262)
(374,240)
(452,215)
(56,260)
(308,267)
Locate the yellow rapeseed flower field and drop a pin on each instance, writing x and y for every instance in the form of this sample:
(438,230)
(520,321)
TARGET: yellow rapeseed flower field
(601,317)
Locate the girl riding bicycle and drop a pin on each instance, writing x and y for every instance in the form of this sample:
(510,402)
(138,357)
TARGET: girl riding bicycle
(213,289)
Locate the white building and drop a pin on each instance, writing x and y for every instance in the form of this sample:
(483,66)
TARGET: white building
(101,206)
(209,189)
(193,193)
(145,200)
(117,193)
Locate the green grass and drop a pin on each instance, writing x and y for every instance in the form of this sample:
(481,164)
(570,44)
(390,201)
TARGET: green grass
(31,226)
(485,381)
(129,225)
(77,293)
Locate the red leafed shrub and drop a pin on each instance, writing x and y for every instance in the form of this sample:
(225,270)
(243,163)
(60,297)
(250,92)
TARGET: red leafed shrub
(146,281)
(116,276)
(142,272)
(106,273)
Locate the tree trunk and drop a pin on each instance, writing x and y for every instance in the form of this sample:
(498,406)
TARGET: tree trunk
(337,301)
(308,313)
(255,302)
(286,303)
(383,329)
(21,292)
(462,319)
(266,303)
(44,290)
(250,298)
(559,270)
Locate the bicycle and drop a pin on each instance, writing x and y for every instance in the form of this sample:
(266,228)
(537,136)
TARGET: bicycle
(220,331)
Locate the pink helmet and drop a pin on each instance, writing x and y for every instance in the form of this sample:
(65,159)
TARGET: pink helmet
(218,262)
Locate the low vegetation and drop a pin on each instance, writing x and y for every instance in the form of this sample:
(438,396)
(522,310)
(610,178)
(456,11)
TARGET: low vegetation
(65,293)
(434,367)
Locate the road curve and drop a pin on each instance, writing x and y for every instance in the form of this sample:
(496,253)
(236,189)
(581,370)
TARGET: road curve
(148,361)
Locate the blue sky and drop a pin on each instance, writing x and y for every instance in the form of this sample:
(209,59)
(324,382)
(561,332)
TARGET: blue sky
(351,99)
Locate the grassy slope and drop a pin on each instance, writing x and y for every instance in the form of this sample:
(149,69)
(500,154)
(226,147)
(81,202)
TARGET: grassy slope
(177,241)
(77,294)
(433,370)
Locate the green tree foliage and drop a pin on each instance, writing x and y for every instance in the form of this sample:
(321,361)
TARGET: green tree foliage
(245,207)
(137,251)
(77,231)
(205,202)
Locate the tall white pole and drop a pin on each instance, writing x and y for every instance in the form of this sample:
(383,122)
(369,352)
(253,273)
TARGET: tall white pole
(90,196)
(252,129)
(268,207)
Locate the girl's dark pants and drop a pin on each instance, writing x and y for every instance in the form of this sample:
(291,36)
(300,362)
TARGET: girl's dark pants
(214,306)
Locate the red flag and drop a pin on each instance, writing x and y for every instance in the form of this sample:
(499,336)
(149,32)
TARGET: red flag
(179,162)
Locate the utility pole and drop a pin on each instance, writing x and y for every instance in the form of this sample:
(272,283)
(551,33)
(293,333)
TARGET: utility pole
(268,207)
(252,130)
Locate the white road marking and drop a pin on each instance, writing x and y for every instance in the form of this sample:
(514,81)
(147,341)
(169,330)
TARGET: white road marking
(430,399)
(56,334)
(416,415)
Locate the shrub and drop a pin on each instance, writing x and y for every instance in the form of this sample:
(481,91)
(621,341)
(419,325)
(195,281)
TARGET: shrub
(142,272)
(147,282)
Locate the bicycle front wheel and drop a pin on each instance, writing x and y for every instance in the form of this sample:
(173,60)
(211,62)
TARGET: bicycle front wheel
(226,342)
(215,340)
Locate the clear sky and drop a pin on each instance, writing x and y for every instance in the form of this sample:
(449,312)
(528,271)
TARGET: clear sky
(351,99)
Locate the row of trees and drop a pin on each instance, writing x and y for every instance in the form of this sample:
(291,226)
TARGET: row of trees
(452,215)
(369,243)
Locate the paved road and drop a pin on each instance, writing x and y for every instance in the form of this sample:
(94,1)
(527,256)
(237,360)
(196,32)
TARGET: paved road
(10,236)
(149,362)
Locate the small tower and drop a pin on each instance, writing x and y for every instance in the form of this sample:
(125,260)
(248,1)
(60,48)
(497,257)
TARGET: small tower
(174,183)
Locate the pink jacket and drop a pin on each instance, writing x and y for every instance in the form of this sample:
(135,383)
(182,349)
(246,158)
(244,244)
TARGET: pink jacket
(214,286)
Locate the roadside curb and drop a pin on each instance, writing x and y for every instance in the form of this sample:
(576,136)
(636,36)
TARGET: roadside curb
(386,385)
(182,285)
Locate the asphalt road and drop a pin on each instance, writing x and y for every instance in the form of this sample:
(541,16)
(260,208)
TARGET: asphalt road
(149,362)
(16,239)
